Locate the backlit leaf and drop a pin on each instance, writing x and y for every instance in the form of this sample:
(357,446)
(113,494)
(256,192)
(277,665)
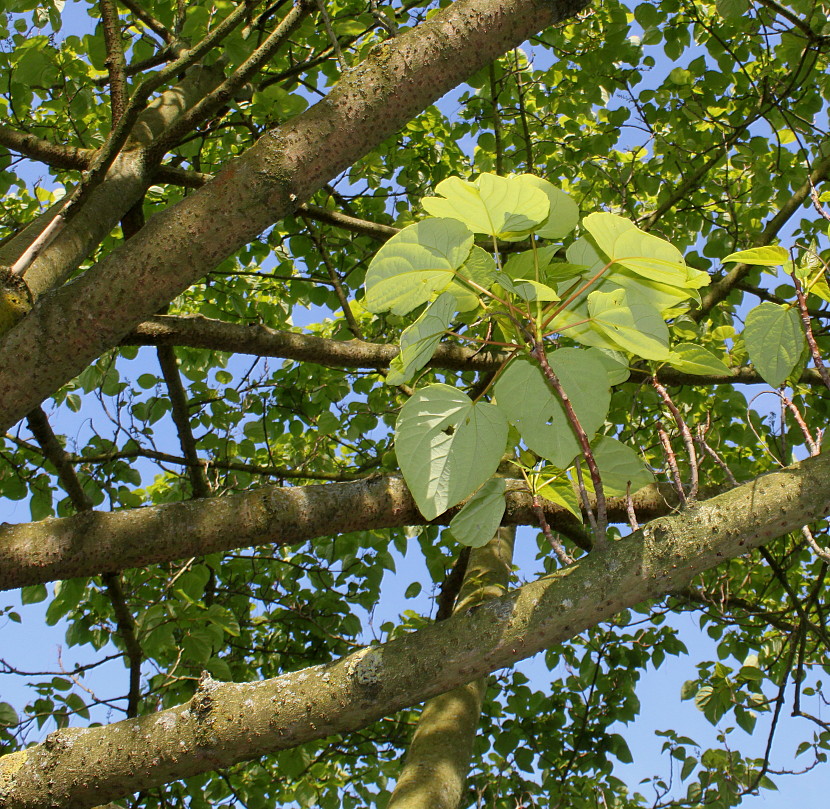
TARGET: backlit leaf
(447,446)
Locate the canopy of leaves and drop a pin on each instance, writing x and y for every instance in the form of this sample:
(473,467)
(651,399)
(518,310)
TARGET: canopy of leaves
(631,168)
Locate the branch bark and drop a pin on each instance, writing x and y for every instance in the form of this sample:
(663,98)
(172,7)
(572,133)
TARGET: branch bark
(229,722)
(101,542)
(195,331)
(71,326)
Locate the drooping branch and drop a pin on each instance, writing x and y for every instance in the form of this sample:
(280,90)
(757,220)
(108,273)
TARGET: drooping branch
(71,326)
(98,542)
(229,722)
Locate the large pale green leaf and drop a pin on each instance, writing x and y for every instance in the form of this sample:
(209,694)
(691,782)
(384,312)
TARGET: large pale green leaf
(524,264)
(642,253)
(535,409)
(630,322)
(447,446)
(476,523)
(505,207)
(774,340)
(564,212)
(694,359)
(418,341)
(415,265)
(618,466)
(772,255)
(661,296)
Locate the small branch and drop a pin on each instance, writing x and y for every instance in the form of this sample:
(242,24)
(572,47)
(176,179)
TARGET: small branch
(600,528)
(38,423)
(812,444)
(215,100)
(811,541)
(451,586)
(354,326)
(558,548)
(713,454)
(181,417)
(671,460)
(808,331)
(151,22)
(629,508)
(115,62)
(694,484)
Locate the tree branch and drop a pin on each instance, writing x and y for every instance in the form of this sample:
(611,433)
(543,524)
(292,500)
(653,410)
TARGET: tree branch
(229,722)
(196,331)
(70,327)
(95,542)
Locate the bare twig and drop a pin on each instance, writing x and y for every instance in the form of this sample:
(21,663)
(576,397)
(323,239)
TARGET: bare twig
(685,433)
(671,460)
(808,331)
(558,548)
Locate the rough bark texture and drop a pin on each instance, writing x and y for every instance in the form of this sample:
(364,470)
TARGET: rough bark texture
(125,183)
(228,722)
(435,770)
(71,326)
(101,542)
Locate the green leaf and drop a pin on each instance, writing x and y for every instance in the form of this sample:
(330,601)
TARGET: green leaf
(732,9)
(505,207)
(616,365)
(619,465)
(564,212)
(8,715)
(476,523)
(774,339)
(562,493)
(642,253)
(770,256)
(535,409)
(530,290)
(630,322)
(690,358)
(415,265)
(447,446)
(479,268)
(419,341)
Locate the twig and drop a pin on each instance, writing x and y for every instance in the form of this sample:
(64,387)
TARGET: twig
(808,331)
(558,548)
(538,353)
(685,433)
(671,460)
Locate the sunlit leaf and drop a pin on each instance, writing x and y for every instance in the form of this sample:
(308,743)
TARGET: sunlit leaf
(419,341)
(415,265)
(770,256)
(630,322)
(504,207)
(694,359)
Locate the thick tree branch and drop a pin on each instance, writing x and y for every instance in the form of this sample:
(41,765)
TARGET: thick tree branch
(196,331)
(229,722)
(71,326)
(98,542)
